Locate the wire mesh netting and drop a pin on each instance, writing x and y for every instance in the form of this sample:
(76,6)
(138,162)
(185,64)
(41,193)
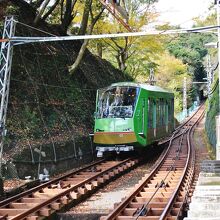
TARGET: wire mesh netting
(50,112)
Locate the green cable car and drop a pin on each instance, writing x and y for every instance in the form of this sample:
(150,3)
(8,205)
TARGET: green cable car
(131,115)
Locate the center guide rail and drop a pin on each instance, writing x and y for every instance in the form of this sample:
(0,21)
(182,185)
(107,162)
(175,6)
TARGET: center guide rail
(163,193)
(43,200)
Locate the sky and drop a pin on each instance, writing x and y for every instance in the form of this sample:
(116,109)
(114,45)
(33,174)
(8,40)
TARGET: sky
(181,12)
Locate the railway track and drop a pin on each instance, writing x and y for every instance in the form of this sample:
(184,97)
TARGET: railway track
(164,192)
(45,199)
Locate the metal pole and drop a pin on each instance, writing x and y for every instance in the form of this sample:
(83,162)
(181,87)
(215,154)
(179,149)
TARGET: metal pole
(209,72)
(184,98)
(5,72)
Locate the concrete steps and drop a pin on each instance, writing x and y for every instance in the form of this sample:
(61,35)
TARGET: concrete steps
(205,202)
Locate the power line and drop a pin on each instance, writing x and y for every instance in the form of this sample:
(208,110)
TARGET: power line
(36,29)
(24,40)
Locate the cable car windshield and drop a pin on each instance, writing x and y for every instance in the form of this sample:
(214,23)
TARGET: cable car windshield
(117,102)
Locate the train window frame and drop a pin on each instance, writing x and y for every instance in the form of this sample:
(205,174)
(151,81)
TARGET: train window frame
(112,102)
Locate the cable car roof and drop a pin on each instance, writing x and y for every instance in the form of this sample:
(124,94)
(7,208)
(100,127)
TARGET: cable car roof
(141,85)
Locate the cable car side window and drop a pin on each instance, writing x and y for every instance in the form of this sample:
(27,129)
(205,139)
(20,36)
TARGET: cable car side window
(150,113)
(117,102)
(170,111)
(158,112)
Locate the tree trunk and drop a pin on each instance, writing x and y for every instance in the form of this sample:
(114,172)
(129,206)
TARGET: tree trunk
(37,4)
(99,49)
(68,16)
(121,59)
(73,68)
(41,11)
(51,10)
(85,18)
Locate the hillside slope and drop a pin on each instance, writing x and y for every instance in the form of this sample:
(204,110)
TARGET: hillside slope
(49,109)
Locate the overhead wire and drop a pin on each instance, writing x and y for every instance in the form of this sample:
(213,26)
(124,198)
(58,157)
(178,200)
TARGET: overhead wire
(34,28)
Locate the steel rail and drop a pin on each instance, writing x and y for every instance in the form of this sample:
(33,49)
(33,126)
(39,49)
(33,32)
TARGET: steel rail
(6,201)
(172,199)
(192,172)
(68,192)
(125,203)
(163,180)
(37,188)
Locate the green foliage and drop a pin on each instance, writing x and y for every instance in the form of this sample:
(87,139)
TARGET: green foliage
(170,74)
(12,10)
(31,122)
(191,50)
(212,111)
(130,54)
(209,20)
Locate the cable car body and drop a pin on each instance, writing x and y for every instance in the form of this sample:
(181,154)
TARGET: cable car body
(131,116)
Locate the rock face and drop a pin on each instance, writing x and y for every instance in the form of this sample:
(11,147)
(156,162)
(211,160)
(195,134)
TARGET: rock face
(205,201)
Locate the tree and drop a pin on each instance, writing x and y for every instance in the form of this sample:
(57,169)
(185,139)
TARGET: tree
(170,74)
(61,11)
(129,50)
(91,8)
(191,50)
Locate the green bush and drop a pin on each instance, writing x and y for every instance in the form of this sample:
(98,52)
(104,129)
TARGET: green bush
(210,123)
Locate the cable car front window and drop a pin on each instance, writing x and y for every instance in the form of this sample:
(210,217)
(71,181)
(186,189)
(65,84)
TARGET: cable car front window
(117,102)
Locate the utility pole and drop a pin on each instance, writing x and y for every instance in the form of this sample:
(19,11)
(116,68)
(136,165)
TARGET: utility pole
(5,72)
(184,97)
(209,75)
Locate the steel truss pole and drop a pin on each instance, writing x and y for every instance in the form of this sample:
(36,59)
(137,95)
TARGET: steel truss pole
(5,72)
